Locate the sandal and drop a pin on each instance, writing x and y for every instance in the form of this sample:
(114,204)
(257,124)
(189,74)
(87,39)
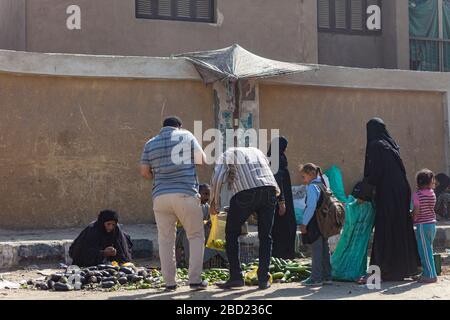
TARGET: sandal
(362,280)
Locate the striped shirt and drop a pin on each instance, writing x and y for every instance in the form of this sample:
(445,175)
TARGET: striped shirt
(171,156)
(425,201)
(250,169)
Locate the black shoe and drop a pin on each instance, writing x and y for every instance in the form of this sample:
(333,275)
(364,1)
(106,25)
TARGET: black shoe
(171,288)
(264,285)
(199,286)
(230,284)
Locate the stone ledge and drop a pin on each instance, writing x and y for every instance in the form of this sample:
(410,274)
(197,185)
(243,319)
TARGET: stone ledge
(34,247)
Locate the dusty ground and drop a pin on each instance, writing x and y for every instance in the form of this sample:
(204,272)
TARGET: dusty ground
(339,290)
(390,291)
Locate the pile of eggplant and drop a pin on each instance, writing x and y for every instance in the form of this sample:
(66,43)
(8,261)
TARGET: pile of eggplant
(102,277)
(107,277)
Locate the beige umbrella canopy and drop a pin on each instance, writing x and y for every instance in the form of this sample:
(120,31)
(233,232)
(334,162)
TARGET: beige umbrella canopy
(235,63)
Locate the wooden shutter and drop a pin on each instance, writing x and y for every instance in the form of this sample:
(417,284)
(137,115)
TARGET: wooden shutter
(372,2)
(164,8)
(203,9)
(144,7)
(184,8)
(323,6)
(188,10)
(340,12)
(357,15)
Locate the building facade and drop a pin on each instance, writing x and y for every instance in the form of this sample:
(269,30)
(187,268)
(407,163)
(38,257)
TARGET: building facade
(394,34)
(344,37)
(286,32)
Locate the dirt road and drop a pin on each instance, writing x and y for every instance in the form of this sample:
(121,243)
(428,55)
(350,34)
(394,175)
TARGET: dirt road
(392,290)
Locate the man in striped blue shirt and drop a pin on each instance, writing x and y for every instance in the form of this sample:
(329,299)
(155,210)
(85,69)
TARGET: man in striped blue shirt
(169,159)
(247,174)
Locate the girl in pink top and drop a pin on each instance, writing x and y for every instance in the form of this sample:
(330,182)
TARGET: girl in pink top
(425,221)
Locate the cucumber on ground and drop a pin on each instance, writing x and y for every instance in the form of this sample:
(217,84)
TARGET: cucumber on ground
(287,275)
(277,276)
(219,270)
(296,269)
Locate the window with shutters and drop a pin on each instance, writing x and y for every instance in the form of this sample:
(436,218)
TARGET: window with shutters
(185,10)
(344,16)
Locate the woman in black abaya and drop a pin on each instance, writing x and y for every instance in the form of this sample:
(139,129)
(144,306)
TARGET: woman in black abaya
(394,247)
(284,224)
(100,242)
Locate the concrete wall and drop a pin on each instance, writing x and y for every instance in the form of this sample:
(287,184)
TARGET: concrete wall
(72,127)
(70,147)
(327,126)
(396,34)
(284,31)
(12,24)
(364,51)
(387,50)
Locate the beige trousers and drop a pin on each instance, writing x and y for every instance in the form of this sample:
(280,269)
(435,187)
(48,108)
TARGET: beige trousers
(168,209)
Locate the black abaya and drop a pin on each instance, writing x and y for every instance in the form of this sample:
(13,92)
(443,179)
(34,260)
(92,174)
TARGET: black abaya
(394,247)
(284,227)
(85,250)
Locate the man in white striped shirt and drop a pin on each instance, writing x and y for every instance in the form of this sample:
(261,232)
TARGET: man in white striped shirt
(247,174)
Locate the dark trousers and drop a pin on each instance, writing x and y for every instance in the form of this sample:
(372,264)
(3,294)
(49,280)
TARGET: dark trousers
(321,266)
(262,201)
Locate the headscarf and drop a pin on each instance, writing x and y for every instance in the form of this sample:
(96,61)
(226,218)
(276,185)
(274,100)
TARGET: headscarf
(444,183)
(107,238)
(282,146)
(376,131)
(105,216)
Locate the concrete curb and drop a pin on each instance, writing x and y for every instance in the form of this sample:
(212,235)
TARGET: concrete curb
(17,254)
(22,253)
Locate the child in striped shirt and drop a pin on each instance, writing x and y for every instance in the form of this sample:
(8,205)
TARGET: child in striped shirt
(424,217)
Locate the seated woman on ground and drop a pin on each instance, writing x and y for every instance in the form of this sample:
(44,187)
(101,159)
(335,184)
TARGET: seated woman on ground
(101,242)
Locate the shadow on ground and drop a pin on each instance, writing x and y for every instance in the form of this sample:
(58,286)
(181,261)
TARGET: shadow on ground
(338,290)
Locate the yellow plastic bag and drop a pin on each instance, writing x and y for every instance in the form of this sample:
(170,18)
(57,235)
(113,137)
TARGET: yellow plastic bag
(251,277)
(216,238)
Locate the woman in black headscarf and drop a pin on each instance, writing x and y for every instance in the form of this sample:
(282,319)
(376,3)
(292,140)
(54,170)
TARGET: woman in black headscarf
(102,241)
(394,247)
(443,182)
(443,195)
(284,225)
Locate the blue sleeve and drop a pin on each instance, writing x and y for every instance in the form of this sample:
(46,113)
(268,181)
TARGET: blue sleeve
(145,155)
(313,195)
